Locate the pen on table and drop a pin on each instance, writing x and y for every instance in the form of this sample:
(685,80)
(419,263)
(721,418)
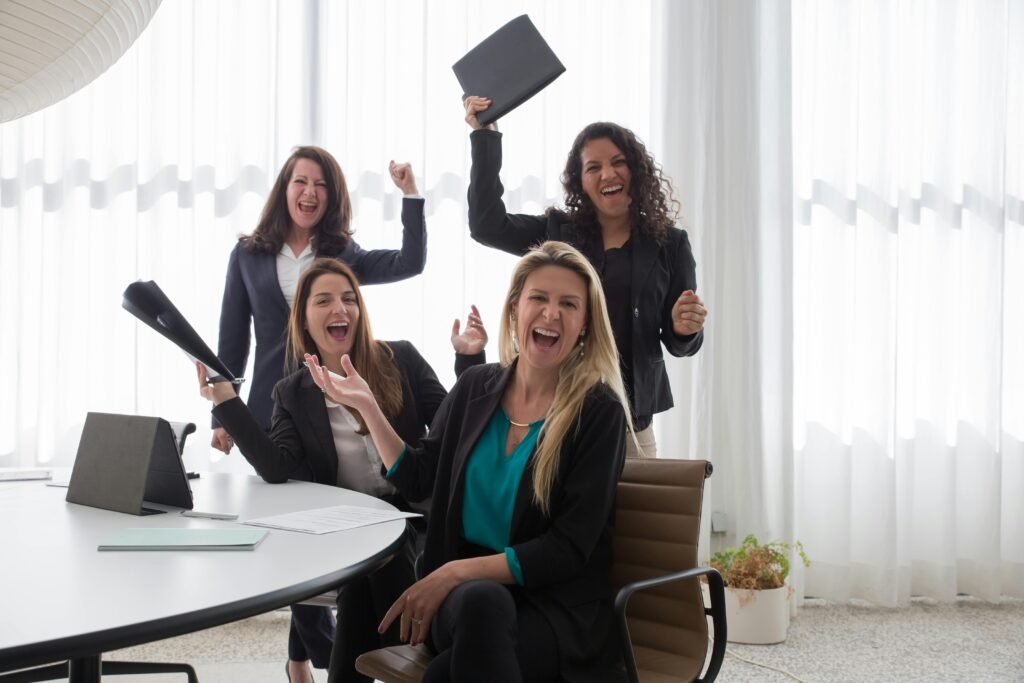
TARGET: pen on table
(209,515)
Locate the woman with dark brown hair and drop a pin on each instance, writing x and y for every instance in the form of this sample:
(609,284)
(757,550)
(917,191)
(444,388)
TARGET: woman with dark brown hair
(617,214)
(314,439)
(308,215)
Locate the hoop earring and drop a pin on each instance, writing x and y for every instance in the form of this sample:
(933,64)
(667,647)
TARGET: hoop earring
(515,341)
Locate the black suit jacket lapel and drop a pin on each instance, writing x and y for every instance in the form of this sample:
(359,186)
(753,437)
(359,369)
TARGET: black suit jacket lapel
(479,411)
(265,274)
(645,253)
(325,457)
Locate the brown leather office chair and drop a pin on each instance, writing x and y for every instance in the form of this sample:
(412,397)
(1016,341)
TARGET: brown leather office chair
(664,632)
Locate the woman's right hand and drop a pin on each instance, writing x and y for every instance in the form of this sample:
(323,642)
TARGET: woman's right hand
(475,105)
(216,392)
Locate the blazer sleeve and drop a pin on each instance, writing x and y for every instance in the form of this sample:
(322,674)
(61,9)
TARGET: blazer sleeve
(585,495)
(489,223)
(234,336)
(426,388)
(276,455)
(464,361)
(683,277)
(379,266)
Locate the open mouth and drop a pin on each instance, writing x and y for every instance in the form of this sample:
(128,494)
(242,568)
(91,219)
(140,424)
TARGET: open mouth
(307,208)
(543,338)
(338,331)
(612,190)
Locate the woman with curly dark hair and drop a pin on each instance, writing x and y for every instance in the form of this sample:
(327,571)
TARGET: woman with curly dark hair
(617,214)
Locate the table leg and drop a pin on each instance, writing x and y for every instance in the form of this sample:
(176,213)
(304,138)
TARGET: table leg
(84,670)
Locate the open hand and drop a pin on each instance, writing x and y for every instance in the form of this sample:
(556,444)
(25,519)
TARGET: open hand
(688,314)
(350,390)
(474,105)
(418,605)
(474,339)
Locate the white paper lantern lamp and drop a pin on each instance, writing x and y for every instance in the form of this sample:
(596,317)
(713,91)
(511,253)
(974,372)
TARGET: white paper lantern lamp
(51,48)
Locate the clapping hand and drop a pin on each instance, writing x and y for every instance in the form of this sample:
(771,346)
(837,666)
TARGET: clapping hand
(688,314)
(403,178)
(473,340)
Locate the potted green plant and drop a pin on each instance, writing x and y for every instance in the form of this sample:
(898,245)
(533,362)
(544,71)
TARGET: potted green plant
(757,597)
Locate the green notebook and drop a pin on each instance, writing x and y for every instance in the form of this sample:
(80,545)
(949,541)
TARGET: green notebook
(184,539)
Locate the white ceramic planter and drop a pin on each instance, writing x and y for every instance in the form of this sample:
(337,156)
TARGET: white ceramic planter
(757,617)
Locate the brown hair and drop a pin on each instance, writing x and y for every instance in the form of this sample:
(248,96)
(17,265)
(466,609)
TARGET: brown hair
(649,190)
(373,360)
(331,234)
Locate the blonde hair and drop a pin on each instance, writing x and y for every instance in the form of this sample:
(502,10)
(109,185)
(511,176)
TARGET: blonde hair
(372,359)
(586,366)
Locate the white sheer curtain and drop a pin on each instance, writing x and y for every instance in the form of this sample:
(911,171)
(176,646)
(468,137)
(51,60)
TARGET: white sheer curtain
(153,170)
(908,122)
(726,134)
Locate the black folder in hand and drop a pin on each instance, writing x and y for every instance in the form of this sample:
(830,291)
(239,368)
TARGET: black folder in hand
(147,302)
(510,66)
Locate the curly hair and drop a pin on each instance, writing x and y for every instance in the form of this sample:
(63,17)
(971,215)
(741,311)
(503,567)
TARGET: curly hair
(331,234)
(650,191)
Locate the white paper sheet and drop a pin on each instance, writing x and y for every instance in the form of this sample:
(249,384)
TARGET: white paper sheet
(329,520)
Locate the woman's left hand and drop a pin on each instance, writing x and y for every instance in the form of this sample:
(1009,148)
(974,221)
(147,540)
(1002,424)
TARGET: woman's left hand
(473,339)
(402,177)
(688,314)
(350,390)
(418,605)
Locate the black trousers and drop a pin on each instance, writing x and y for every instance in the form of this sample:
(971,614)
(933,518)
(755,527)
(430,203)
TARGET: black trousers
(486,631)
(334,645)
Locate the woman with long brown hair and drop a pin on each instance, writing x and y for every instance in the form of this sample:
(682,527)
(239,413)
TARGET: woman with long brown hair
(315,439)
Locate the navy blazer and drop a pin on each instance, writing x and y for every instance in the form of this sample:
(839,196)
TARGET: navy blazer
(565,556)
(661,271)
(300,443)
(252,293)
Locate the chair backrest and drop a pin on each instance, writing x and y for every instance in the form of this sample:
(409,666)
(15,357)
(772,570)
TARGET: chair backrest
(657,526)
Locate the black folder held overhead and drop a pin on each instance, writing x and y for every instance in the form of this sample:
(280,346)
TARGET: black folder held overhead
(147,302)
(510,66)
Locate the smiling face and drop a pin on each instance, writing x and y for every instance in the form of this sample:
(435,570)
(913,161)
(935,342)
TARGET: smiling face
(307,195)
(550,315)
(332,315)
(605,178)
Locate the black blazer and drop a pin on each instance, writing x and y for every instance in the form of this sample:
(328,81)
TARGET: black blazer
(300,443)
(661,271)
(252,292)
(565,557)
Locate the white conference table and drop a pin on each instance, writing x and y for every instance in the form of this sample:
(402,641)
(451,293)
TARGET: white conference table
(62,599)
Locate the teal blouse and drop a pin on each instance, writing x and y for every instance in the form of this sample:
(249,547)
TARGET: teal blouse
(492,482)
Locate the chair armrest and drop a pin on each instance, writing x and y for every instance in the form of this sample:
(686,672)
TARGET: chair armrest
(716,589)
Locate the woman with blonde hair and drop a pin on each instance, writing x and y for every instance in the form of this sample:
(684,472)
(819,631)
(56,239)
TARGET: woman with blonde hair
(522,460)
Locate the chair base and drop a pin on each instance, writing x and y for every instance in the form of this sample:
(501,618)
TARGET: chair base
(53,672)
